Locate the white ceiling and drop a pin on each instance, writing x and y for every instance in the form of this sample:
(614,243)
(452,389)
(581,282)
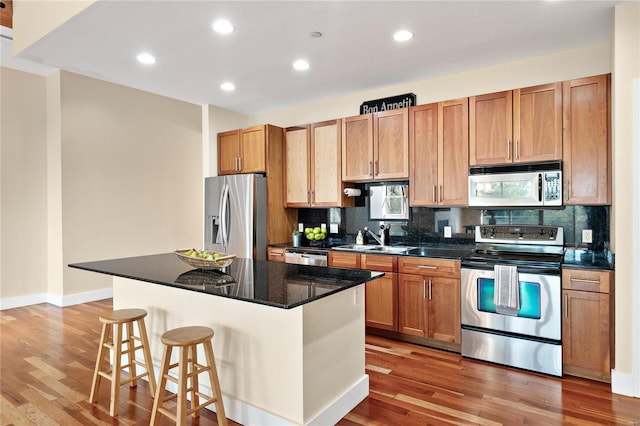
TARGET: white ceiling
(355,53)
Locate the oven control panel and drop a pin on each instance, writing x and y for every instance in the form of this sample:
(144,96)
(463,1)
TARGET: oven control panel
(520,234)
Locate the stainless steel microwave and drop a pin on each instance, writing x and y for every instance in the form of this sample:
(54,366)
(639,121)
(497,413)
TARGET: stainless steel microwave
(518,185)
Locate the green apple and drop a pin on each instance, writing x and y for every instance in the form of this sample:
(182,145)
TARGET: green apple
(317,230)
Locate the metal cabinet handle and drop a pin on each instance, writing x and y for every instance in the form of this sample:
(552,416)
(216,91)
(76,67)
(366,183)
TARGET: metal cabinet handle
(440,192)
(575,280)
(430,285)
(508,149)
(239,164)
(567,190)
(273,253)
(313,199)
(424,289)
(376,168)
(566,305)
(427,267)
(433,194)
(517,145)
(369,168)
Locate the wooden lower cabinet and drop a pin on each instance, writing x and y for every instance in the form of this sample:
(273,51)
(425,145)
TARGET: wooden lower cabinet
(275,253)
(429,307)
(587,323)
(429,298)
(381,295)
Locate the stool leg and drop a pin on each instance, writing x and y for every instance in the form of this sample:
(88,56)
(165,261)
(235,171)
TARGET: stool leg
(115,371)
(182,387)
(195,388)
(215,383)
(95,383)
(148,362)
(164,370)
(131,354)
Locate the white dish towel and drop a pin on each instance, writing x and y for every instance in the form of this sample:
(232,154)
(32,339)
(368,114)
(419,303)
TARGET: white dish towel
(506,292)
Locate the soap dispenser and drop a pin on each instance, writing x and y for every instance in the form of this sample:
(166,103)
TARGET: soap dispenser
(359,238)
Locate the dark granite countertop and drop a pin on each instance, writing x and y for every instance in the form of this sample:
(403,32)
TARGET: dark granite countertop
(257,281)
(588,259)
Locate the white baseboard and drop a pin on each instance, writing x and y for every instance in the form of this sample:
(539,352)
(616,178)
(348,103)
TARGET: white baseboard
(54,299)
(623,384)
(20,301)
(342,404)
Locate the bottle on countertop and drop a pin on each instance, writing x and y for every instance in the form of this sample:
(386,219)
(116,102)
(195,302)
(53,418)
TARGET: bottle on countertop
(359,238)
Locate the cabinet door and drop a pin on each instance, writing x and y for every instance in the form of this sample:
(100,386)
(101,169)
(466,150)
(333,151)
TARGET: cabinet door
(381,302)
(344,260)
(423,154)
(391,144)
(357,148)
(297,167)
(491,129)
(586,334)
(228,152)
(586,141)
(453,152)
(275,253)
(326,178)
(253,150)
(537,123)
(412,318)
(443,309)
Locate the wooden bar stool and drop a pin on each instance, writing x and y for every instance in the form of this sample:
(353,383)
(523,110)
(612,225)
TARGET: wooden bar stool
(115,321)
(187,339)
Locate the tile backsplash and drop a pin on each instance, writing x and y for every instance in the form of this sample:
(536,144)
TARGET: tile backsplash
(426,225)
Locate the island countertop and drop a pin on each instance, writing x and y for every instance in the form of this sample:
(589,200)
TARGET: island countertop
(257,281)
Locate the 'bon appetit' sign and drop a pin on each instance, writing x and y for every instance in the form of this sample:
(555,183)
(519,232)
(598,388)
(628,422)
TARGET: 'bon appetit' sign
(386,104)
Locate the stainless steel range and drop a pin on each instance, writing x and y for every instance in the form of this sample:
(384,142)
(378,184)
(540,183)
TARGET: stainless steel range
(511,310)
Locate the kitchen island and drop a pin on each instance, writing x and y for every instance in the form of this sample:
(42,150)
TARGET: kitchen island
(289,339)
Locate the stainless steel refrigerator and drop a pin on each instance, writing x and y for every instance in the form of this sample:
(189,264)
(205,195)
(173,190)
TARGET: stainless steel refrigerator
(236,215)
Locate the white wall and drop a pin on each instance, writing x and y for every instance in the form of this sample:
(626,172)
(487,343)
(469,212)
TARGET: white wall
(131,176)
(23,185)
(626,69)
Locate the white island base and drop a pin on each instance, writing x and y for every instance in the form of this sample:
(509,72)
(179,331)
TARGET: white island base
(299,366)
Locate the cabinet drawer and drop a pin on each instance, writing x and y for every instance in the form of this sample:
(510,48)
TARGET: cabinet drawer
(275,254)
(429,266)
(587,280)
(344,260)
(379,262)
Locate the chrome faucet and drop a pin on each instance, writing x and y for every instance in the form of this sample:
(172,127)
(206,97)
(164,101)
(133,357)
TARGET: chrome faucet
(380,239)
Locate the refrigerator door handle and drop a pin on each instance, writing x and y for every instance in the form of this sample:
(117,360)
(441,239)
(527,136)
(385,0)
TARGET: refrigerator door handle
(224,210)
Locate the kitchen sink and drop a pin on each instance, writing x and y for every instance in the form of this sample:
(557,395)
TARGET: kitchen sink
(369,248)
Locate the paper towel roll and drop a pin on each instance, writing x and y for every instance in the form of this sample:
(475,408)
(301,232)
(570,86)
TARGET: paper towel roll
(352,192)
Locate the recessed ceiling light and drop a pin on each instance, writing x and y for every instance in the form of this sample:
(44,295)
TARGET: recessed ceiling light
(301,65)
(403,35)
(228,87)
(146,58)
(222,26)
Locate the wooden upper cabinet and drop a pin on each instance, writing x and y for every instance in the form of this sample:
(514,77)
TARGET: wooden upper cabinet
(228,152)
(439,140)
(244,150)
(313,163)
(587,141)
(391,144)
(297,167)
(491,128)
(253,150)
(423,154)
(537,123)
(376,146)
(453,152)
(357,148)
(516,126)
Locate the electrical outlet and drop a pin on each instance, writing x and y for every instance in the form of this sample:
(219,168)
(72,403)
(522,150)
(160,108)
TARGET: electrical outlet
(447,232)
(300,227)
(587,236)
(333,228)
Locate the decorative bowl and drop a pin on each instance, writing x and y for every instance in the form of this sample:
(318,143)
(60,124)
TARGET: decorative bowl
(222,261)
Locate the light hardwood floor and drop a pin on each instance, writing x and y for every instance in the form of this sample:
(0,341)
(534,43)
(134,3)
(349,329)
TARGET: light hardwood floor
(47,355)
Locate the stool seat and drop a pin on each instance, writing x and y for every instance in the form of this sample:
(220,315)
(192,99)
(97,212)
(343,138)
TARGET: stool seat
(187,339)
(113,338)
(122,315)
(185,336)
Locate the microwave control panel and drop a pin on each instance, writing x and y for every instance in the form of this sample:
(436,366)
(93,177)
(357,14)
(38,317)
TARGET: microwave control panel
(553,189)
